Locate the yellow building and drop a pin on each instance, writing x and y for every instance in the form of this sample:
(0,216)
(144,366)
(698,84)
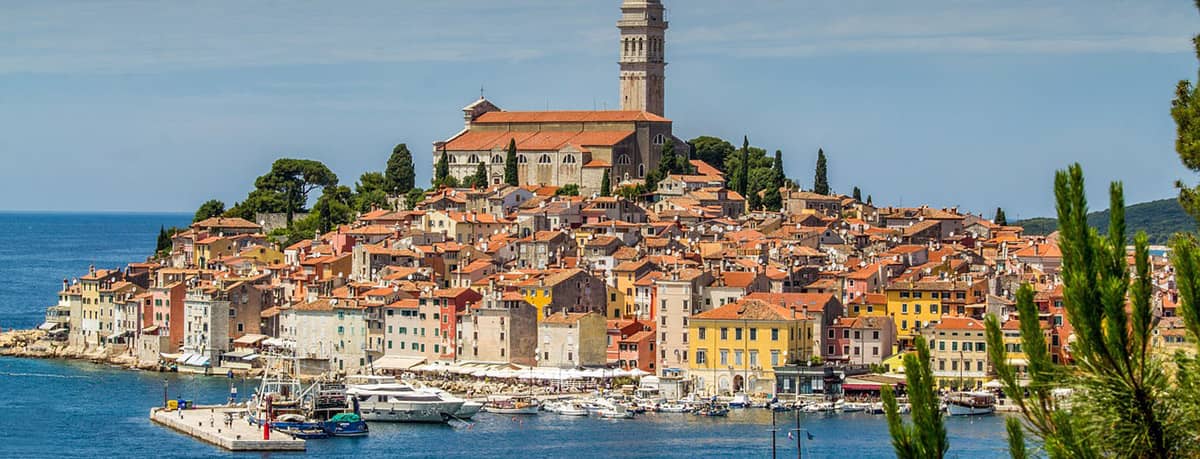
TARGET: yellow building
(736,347)
(626,275)
(263,254)
(1012,345)
(211,249)
(869,305)
(912,305)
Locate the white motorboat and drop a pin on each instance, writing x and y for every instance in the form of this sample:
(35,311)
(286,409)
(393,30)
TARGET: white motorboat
(608,413)
(571,409)
(970,403)
(820,407)
(855,407)
(740,400)
(673,408)
(389,401)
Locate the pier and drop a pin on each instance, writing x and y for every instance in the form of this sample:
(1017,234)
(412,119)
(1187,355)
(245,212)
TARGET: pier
(207,423)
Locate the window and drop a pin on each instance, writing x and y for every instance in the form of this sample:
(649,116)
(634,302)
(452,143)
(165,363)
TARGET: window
(916,308)
(941,364)
(979,347)
(724,357)
(754,358)
(544,159)
(916,295)
(941,345)
(774,334)
(341,330)
(830,350)
(967,347)
(701,356)
(497,159)
(737,357)
(875,335)
(451,159)
(774,358)
(904,295)
(701,332)
(874,350)
(904,325)
(569,159)
(845,333)
(473,159)
(737,333)
(753,334)
(623,160)
(660,139)
(724,334)
(904,308)
(933,308)
(978,365)
(954,346)
(953,365)
(232,312)
(522,159)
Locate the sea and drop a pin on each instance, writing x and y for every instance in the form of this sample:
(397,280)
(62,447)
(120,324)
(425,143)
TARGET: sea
(56,408)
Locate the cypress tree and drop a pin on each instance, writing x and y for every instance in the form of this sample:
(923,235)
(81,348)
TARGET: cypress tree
(777,175)
(743,177)
(1000,218)
(441,170)
(400,174)
(820,181)
(605,185)
(857,194)
(480,179)
(869,203)
(510,164)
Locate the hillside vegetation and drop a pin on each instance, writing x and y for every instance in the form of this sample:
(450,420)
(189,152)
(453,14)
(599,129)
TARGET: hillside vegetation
(1159,219)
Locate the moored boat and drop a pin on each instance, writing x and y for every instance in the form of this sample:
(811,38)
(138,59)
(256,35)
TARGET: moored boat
(516,404)
(970,404)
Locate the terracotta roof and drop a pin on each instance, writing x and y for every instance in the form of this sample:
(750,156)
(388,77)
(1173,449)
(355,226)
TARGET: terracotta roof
(703,168)
(578,116)
(747,309)
(561,318)
(959,323)
(225,222)
(534,141)
(813,302)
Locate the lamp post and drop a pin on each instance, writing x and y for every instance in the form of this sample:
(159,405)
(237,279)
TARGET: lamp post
(164,392)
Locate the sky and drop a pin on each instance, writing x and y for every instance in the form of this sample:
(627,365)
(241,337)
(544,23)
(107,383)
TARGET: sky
(159,106)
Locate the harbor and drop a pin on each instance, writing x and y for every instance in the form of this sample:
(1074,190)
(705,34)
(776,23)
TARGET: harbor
(224,427)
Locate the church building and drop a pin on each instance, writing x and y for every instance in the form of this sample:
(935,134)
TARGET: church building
(558,148)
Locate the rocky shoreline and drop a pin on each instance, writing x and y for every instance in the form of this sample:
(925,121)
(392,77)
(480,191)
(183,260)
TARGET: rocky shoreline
(33,344)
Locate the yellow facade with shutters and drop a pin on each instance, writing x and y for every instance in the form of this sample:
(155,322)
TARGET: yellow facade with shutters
(912,309)
(732,355)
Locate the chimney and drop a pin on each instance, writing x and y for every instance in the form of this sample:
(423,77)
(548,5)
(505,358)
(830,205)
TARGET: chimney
(92,269)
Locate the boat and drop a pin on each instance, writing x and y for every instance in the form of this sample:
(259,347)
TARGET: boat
(820,407)
(320,410)
(571,409)
(970,403)
(855,407)
(713,410)
(673,408)
(615,414)
(740,400)
(876,408)
(517,404)
(400,402)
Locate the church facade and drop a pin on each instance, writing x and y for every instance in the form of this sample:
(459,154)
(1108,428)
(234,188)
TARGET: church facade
(558,148)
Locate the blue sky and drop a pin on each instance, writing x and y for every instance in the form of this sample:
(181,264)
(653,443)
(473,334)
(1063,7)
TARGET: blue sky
(153,106)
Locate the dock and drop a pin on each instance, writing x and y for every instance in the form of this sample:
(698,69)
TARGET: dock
(207,424)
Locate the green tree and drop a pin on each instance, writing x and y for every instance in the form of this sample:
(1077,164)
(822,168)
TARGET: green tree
(605,184)
(743,171)
(713,151)
(569,189)
(164,240)
(1185,109)
(371,192)
(857,194)
(479,179)
(667,162)
(210,208)
(778,177)
(441,170)
(820,180)
(414,197)
(869,201)
(510,164)
(1124,403)
(258,201)
(1000,218)
(772,200)
(400,174)
(293,179)
(333,208)
(926,437)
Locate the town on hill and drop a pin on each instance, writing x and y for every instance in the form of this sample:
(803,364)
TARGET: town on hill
(587,240)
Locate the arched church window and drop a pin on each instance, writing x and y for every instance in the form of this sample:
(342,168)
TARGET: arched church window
(545,159)
(497,159)
(569,159)
(641,170)
(522,159)
(473,159)
(451,159)
(660,139)
(623,160)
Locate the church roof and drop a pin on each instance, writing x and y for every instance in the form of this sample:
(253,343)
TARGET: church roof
(579,116)
(534,140)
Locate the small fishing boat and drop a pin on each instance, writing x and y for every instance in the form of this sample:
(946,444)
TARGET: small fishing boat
(713,410)
(571,409)
(970,404)
(820,407)
(516,404)
(673,408)
(346,425)
(855,407)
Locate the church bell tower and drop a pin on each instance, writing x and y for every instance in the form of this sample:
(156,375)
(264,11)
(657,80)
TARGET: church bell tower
(643,50)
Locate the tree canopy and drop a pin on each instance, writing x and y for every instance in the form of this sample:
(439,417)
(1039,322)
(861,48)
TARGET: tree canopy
(210,208)
(293,179)
(712,150)
(400,174)
(1185,109)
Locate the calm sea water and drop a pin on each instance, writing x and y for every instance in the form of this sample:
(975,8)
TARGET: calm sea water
(75,409)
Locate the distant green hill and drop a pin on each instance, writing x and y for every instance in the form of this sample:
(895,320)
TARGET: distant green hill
(1159,219)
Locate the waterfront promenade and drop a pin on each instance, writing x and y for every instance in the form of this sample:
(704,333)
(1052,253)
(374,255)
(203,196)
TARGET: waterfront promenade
(209,424)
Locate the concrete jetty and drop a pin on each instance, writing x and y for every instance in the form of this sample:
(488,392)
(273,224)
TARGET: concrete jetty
(207,423)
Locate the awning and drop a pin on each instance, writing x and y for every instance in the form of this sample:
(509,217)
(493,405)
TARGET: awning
(185,357)
(396,362)
(48,326)
(250,357)
(870,387)
(249,339)
(198,361)
(237,354)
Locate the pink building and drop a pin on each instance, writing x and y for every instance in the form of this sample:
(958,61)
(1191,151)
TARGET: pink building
(860,340)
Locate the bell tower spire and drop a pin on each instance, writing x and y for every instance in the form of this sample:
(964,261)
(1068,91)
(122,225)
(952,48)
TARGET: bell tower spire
(643,55)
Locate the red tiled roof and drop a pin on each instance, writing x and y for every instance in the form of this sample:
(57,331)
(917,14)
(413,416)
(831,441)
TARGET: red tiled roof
(578,116)
(534,141)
